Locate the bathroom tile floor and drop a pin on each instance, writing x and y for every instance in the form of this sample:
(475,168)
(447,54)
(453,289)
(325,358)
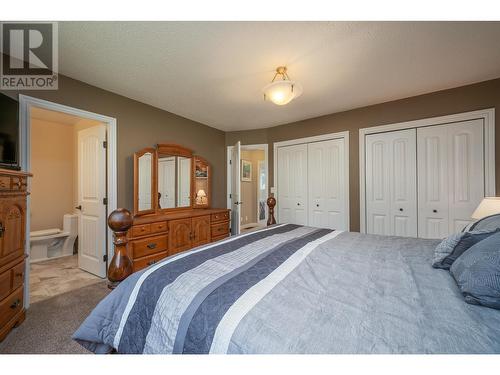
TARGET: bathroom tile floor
(57,276)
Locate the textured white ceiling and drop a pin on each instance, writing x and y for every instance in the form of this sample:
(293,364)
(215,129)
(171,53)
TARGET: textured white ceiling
(213,72)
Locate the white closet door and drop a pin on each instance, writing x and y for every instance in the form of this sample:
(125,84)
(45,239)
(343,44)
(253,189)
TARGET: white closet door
(184,182)
(465,172)
(326,178)
(391,203)
(432,166)
(292,184)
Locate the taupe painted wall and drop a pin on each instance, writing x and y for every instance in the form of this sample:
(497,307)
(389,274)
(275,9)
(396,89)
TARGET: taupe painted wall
(52,160)
(140,125)
(462,99)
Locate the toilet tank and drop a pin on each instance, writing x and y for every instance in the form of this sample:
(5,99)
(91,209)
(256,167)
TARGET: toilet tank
(70,224)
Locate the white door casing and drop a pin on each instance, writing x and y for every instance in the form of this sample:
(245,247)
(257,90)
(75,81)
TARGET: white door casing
(293,184)
(166,182)
(91,193)
(391,183)
(235,188)
(326,184)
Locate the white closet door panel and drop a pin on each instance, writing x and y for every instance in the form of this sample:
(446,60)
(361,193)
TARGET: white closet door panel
(432,166)
(377,184)
(403,183)
(292,184)
(166,181)
(466,171)
(326,184)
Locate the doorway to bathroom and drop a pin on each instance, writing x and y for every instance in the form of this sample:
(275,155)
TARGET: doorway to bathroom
(247,186)
(67,151)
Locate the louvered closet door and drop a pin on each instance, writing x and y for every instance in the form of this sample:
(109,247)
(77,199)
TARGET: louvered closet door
(326,164)
(450,176)
(292,184)
(391,198)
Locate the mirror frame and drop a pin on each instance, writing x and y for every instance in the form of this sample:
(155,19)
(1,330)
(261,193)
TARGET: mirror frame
(171,149)
(154,183)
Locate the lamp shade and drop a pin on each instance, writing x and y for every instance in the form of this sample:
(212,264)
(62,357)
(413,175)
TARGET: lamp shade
(201,193)
(282,92)
(488,206)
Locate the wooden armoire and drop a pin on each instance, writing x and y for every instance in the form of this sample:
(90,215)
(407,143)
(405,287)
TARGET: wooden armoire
(13,193)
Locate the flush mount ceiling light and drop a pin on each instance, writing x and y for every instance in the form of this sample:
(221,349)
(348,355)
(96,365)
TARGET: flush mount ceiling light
(283,90)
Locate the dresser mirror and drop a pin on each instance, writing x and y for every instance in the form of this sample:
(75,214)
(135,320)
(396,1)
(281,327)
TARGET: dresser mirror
(169,177)
(174,181)
(144,181)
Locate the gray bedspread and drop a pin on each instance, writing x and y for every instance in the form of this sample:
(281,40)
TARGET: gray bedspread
(293,289)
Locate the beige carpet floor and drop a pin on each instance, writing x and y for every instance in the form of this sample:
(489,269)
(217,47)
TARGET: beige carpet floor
(50,323)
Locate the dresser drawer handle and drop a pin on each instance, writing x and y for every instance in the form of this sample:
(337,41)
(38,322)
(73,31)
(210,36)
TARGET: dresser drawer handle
(19,274)
(151,262)
(152,245)
(15,304)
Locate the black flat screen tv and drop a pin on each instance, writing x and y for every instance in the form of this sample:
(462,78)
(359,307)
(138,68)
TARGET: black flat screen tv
(9,132)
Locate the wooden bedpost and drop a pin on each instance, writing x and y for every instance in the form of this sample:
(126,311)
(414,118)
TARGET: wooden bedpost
(120,267)
(271,202)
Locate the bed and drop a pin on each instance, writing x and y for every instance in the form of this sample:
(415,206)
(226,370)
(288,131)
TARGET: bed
(293,289)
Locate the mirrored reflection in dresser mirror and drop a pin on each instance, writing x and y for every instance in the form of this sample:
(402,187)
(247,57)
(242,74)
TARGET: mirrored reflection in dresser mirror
(174,181)
(145,181)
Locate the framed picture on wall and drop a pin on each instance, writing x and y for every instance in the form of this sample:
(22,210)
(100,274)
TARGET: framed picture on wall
(246,170)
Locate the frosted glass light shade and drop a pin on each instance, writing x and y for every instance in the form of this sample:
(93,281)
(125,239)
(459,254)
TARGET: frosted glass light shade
(488,206)
(282,92)
(201,193)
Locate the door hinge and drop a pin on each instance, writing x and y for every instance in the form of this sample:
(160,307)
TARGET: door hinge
(105,144)
(105,201)
(105,258)
(230,196)
(230,161)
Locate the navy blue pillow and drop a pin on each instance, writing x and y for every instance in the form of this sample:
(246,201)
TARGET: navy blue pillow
(455,245)
(477,273)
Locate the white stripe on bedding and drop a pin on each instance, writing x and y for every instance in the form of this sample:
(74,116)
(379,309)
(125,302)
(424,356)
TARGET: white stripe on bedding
(137,286)
(252,296)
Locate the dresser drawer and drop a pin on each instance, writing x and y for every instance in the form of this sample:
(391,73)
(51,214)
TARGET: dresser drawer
(10,306)
(220,216)
(18,275)
(5,281)
(148,246)
(144,262)
(220,229)
(141,230)
(160,226)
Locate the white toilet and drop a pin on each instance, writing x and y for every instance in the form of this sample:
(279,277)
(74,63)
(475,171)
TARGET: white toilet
(54,243)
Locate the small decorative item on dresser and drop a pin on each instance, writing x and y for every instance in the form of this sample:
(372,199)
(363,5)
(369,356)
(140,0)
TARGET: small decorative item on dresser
(201,197)
(271,202)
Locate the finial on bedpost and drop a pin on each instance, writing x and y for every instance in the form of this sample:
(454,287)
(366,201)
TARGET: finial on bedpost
(120,267)
(271,202)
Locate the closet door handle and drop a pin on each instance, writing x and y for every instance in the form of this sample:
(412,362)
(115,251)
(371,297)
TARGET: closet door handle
(401,209)
(435,211)
(317,205)
(298,204)
(79,207)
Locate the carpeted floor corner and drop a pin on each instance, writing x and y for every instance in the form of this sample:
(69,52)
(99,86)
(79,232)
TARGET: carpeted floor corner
(50,323)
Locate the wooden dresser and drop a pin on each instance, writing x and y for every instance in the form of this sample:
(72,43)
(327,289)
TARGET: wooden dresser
(13,192)
(154,237)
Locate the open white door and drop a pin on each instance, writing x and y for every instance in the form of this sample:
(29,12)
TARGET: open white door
(91,195)
(236,189)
